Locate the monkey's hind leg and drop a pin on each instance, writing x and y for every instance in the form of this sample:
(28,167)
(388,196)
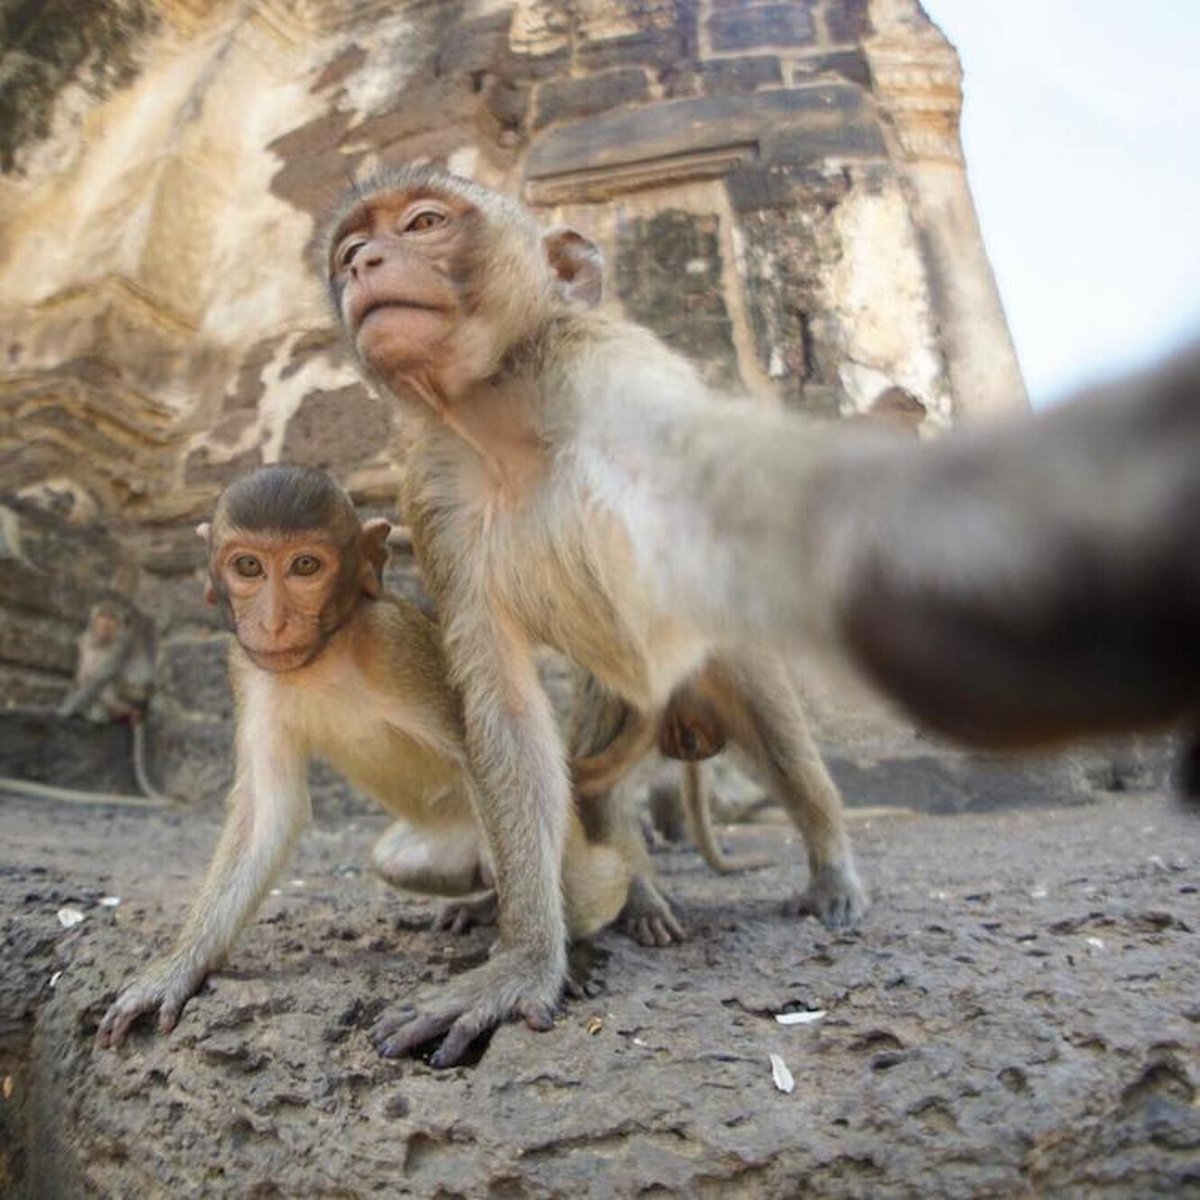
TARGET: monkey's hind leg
(767,721)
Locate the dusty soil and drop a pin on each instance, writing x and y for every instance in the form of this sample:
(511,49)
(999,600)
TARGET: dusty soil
(1018,1016)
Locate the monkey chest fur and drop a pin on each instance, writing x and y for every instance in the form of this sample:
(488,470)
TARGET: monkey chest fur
(560,564)
(390,749)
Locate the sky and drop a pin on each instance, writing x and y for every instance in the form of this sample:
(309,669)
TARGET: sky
(1081,128)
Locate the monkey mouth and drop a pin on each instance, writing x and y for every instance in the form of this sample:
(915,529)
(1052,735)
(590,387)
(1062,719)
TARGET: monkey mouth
(392,303)
(278,661)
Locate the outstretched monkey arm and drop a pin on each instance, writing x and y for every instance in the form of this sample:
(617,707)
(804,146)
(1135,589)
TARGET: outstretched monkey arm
(268,807)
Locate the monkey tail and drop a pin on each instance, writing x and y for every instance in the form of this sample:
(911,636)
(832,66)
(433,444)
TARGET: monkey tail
(47,791)
(140,773)
(695,797)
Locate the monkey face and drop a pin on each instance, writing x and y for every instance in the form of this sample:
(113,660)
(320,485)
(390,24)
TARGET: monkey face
(435,279)
(397,264)
(285,595)
(104,625)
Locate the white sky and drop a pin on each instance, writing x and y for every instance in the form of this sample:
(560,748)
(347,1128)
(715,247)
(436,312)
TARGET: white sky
(1081,127)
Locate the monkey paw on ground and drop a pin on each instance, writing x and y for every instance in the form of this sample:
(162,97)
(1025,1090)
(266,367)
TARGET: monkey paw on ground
(164,987)
(647,916)
(512,985)
(835,895)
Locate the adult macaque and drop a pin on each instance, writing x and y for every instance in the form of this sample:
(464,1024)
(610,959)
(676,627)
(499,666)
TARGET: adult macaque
(324,665)
(566,489)
(114,676)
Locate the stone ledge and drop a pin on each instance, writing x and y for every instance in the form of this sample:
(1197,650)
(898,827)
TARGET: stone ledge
(684,127)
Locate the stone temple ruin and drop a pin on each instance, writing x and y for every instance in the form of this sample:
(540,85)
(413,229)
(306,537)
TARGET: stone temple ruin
(778,188)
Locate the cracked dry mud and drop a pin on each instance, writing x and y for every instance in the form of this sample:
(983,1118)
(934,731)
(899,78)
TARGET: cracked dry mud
(1018,1016)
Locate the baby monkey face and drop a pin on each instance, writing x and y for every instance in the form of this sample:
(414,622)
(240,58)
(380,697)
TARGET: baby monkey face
(282,592)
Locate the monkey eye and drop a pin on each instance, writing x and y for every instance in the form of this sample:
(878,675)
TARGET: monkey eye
(348,251)
(306,564)
(247,566)
(427,218)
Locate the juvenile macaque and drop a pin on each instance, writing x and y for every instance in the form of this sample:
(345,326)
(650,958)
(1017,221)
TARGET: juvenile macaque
(325,665)
(570,486)
(114,677)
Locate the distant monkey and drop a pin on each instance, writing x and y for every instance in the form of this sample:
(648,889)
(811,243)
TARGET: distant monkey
(559,493)
(114,677)
(114,674)
(325,665)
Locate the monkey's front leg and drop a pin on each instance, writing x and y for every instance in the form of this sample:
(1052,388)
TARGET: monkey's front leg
(254,844)
(523,800)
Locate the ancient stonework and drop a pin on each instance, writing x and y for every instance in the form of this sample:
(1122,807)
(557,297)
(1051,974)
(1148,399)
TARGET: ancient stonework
(778,189)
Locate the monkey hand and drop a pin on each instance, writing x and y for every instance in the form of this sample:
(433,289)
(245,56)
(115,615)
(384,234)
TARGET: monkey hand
(164,987)
(647,916)
(835,895)
(511,985)
(463,915)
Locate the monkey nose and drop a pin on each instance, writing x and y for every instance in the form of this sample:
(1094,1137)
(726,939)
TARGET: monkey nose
(275,617)
(367,259)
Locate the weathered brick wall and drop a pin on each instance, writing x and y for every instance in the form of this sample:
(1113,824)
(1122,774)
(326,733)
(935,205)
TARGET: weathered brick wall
(778,189)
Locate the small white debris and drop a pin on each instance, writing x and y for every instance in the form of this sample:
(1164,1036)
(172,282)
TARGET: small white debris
(110,901)
(297,882)
(1156,861)
(1096,943)
(638,1042)
(781,1075)
(1039,893)
(800,1018)
(939,895)
(68,918)
(54,979)
(275,892)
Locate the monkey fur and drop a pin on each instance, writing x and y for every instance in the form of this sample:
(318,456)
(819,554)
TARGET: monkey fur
(325,665)
(545,508)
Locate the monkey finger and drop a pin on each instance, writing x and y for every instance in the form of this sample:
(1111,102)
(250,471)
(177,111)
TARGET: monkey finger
(538,1016)
(452,919)
(458,1041)
(414,1031)
(115,1026)
(583,988)
(390,1021)
(168,1016)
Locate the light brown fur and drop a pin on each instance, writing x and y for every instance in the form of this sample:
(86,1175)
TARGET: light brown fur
(452,299)
(367,694)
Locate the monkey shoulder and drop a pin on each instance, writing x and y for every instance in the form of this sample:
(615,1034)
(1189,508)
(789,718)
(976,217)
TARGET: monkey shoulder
(399,649)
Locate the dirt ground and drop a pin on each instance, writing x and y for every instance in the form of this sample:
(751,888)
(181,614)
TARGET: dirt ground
(1018,1016)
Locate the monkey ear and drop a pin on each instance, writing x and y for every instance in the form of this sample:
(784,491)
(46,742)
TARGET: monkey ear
(210,592)
(202,530)
(375,553)
(577,264)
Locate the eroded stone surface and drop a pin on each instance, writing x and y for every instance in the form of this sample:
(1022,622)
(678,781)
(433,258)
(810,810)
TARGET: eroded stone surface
(1017,1015)
(777,188)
